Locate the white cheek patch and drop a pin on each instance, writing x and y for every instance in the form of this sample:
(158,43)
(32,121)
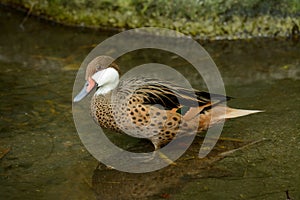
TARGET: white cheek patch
(106,79)
(105,76)
(98,76)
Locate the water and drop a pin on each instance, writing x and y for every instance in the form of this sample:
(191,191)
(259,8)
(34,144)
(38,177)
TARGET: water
(46,159)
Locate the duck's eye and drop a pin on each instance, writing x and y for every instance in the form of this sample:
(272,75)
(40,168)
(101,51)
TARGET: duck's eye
(99,68)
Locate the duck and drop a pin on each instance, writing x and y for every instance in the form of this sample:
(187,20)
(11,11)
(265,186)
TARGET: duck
(149,108)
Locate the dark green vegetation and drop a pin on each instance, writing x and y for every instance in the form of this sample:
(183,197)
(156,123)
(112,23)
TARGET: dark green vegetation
(205,19)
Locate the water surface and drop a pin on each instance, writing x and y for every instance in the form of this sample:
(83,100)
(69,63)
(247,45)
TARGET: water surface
(42,156)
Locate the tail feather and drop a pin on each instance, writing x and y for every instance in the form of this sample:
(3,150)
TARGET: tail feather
(233,112)
(220,113)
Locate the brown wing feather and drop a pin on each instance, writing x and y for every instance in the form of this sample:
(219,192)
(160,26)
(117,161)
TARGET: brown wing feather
(172,96)
(169,95)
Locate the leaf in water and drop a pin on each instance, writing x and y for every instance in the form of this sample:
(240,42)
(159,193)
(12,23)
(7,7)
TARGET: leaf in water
(4,152)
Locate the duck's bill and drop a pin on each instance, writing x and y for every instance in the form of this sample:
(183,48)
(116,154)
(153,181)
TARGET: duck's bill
(87,88)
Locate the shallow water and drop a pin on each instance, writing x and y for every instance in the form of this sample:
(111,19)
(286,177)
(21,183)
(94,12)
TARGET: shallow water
(42,156)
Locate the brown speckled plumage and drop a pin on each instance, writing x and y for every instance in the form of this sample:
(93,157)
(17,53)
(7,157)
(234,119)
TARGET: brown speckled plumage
(154,109)
(142,120)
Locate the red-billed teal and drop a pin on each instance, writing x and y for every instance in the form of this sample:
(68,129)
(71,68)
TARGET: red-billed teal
(155,110)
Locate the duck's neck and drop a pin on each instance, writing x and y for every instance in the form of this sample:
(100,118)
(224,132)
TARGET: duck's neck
(107,80)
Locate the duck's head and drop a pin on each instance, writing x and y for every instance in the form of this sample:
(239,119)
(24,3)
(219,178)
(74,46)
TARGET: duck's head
(102,73)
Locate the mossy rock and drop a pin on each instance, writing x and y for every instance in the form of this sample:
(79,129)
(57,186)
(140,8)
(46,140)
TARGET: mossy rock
(204,19)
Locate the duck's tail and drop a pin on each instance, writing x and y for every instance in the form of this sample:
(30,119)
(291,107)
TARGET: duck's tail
(233,112)
(219,113)
(230,113)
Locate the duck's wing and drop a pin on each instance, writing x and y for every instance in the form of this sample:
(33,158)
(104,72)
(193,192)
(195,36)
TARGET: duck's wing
(171,96)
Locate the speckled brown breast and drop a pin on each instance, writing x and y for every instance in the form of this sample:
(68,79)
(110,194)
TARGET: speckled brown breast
(101,111)
(130,115)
